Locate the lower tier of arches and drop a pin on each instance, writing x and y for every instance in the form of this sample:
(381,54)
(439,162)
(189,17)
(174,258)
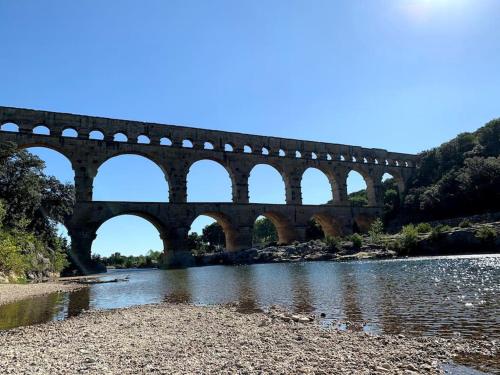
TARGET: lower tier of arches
(173,222)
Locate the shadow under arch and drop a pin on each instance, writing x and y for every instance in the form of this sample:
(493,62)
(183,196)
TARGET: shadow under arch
(230,231)
(216,162)
(362,223)
(285,229)
(329,224)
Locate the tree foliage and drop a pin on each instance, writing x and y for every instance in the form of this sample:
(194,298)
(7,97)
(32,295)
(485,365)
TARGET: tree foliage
(32,205)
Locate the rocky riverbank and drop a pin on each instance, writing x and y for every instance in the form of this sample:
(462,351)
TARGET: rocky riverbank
(445,241)
(14,292)
(180,339)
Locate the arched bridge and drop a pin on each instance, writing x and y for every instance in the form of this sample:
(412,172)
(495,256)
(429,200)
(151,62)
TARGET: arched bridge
(89,141)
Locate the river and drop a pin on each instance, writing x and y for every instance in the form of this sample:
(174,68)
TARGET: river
(443,296)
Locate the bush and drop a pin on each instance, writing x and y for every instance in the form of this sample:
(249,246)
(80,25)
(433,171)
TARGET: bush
(465,224)
(357,240)
(332,242)
(486,234)
(424,228)
(409,238)
(376,231)
(437,231)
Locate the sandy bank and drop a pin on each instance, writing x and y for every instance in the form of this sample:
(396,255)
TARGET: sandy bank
(168,339)
(14,292)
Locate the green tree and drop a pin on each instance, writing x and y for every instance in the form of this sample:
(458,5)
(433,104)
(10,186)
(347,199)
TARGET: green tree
(264,231)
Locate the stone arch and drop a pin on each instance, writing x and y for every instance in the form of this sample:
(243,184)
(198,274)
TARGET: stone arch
(41,130)
(48,145)
(120,137)
(329,224)
(143,139)
(362,223)
(9,127)
(214,162)
(165,141)
(96,134)
(144,156)
(69,132)
(150,218)
(231,234)
(357,186)
(286,230)
(269,171)
(397,178)
(316,175)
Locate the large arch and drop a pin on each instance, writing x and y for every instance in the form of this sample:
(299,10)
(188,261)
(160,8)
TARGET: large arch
(230,231)
(357,188)
(209,181)
(330,226)
(57,164)
(285,229)
(316,187)
(266,185)
(136,233)
(130,177)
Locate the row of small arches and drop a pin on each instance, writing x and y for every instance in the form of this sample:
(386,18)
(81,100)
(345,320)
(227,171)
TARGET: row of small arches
(187,143)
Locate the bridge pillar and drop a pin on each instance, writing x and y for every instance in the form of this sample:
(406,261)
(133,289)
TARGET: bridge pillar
(293,188)
(81,248)
(178,185)
(177,253)
(239,178)
(241,239)
(340,189)
(84,183)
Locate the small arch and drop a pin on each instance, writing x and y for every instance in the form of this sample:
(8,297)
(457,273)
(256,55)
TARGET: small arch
(164,141)
(315,187)
(10,127)
(265,151)
(342,158)
(208,146)
(266,185)
(329,157)
(70,132)
(375,161)
(143,139)
(298,154)
(120,137)
(353,159)
(187,143)
(41,130)
(247,149)
(314,156)
(365,160)
(228,147)
(281,152)
(96,134)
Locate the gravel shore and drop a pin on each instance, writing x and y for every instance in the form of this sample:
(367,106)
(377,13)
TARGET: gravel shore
(181,339)
(14,292)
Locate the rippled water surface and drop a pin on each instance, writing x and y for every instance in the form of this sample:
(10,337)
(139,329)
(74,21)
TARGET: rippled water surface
(432,296)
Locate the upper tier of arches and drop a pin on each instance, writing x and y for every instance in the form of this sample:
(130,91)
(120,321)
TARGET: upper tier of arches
(150,134)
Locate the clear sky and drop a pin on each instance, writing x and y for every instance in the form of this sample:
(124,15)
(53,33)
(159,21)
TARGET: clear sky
(404,75)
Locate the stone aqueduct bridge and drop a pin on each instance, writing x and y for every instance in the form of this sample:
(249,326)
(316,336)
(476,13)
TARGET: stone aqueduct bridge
(175,148)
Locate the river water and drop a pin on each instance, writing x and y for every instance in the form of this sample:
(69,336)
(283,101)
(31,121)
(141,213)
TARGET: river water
(442,296)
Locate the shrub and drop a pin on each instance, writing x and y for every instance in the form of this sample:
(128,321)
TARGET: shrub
(332,242)
(437,231)
(409,238)
(376,231)
(424,228)
(486,234)
(357,240)
(465,224)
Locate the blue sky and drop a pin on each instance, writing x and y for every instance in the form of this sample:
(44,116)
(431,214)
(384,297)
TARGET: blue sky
(404,75)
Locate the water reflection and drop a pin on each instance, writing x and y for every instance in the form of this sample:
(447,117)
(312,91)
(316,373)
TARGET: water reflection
(442,296)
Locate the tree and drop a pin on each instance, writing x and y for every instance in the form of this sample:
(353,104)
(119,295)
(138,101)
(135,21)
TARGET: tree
(213,235)
(264,231)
